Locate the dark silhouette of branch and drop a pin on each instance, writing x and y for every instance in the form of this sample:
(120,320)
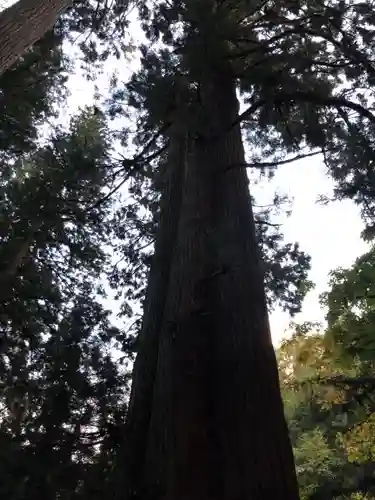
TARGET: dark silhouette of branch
(284,162)
(307,96)
(266,223)
(277,163)
(134,164)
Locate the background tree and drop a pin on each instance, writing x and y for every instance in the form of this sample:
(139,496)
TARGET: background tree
(24,23)
(328,388)
(62,394)
(30,93)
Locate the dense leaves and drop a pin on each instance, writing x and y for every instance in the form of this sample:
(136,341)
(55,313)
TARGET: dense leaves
(351,308)
(29,94)
(328,383)
(63,396)
(99,29)
(285,265)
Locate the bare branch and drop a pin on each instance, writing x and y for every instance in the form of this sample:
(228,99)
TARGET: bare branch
(270,164)
(266,223)
(284,162)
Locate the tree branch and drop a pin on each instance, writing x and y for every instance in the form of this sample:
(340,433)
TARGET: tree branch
(149,144)
(135,163)
(302,95)
(285,162)
(266,223)
(270,164)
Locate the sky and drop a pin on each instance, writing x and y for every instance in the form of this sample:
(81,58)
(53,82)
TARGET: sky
(330,233)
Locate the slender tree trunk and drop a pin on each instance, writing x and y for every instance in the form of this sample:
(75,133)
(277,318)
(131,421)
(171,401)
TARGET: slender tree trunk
(217,429)
(23,24)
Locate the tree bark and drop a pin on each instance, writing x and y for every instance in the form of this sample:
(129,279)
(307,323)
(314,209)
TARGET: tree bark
(23,24)
(144,372)
(217,429)
(256,455)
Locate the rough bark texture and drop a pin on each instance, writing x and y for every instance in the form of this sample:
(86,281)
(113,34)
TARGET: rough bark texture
(181,436)
(144,373)
(217,429)
(23,24)
(255,452)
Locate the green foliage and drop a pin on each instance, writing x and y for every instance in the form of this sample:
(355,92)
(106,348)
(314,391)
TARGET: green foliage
(99,29)
(286,267)
(305,69)
(63,397)
(29,94)
(328,384)
(321,413)
(316,460)
(351,312)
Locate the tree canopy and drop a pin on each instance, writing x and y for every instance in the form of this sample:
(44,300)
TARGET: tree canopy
(328,385)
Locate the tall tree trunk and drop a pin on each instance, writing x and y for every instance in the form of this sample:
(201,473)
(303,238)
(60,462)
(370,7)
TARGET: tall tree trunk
(23,24)
(144,373)
(217,429)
